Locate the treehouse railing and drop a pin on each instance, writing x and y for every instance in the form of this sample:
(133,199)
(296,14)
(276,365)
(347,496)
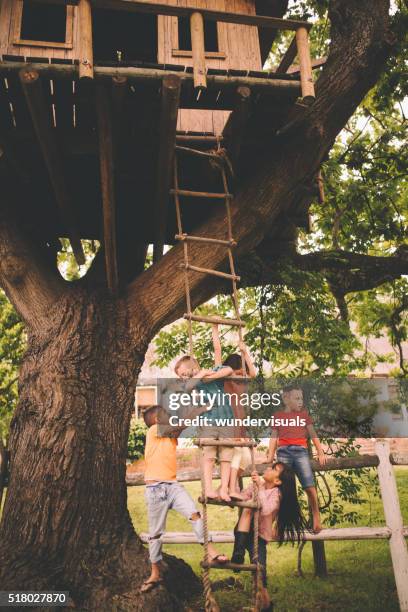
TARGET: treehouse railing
(299,45)
(394,530)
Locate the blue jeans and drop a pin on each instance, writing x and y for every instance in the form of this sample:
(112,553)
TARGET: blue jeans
(161,498)
(297,457)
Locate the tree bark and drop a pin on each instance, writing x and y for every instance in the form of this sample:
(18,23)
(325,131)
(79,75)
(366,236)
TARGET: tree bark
(65,523)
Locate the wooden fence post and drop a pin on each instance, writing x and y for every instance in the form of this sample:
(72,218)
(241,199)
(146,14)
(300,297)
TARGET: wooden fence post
(393,518)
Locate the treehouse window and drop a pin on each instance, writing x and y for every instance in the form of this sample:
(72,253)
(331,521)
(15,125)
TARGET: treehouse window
(212,40)
(42,24)
(122,36)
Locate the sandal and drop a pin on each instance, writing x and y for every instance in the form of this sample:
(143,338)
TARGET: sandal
(149,585)
(218,560)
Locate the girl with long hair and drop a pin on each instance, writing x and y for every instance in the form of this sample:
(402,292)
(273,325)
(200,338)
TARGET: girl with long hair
(280,518)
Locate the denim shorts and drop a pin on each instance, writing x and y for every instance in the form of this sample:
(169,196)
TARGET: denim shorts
(297,457)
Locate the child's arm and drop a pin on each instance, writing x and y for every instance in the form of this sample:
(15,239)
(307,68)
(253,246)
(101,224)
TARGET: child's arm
(216,345)
(320,452)
(273,443)
(248,360)
(221,373)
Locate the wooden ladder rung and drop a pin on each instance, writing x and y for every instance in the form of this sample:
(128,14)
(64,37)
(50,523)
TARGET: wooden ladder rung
(211,272)
(197,152)
(244,567)
(201,194)
(218,320)
(187,238)
(236,503)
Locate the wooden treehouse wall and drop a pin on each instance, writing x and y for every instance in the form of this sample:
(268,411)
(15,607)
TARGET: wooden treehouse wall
(238,48)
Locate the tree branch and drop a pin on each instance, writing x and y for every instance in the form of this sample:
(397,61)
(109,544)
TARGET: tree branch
(361,42)
(29,282)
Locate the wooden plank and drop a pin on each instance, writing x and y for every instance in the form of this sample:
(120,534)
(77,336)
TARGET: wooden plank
(232,504)
(306,76)
(156,8)
(187,238)
(197,46)
(31,84)
(105,135)
(201,194)
(85,40)
(170,99)
(211,272)
(393,517)
(334,534)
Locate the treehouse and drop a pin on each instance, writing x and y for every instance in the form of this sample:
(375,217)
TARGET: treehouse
(99,97)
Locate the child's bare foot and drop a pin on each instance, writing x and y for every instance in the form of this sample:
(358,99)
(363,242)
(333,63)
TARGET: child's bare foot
(236,495)
(211,494)
(224,496)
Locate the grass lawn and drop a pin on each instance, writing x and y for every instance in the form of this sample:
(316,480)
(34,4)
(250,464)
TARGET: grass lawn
(360,573)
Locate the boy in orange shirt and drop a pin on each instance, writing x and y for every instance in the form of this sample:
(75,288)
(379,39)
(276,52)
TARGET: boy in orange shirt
(291,441)
(164,493)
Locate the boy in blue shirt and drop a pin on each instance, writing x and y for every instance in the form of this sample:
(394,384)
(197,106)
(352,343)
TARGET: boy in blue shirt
(213,386)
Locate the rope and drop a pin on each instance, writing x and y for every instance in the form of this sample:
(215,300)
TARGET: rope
(210,603)
(257,583)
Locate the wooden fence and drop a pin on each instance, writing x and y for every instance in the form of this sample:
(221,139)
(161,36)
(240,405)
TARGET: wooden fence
(394,530)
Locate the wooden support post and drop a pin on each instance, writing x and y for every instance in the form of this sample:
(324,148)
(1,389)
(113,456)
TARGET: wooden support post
(234,129)
(105,135)
(33,92)
(86,67)
(306,77)
(170,99)
(393,518)
(198,49)
(319,559)
(320,186)
(119,91)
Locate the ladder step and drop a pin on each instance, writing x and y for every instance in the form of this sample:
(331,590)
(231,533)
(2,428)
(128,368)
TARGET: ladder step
(197,152)
(201,194)
(226,442)
(211,272)
(232,504)
(249,567)
(187,238)
(219,320)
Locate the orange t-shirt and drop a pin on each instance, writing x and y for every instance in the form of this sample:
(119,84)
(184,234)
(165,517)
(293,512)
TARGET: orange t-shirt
(293,434)
(160,456)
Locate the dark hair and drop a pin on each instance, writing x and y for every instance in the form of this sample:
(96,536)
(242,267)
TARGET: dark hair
(150,413)
(290,521)
(291,387)
(234,361)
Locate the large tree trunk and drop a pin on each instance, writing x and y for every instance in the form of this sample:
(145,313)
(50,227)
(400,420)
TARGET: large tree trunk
(66,523)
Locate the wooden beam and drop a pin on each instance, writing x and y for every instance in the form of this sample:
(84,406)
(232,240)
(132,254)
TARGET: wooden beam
(31,84)
(306,76)
(170,98)
(152,75)
(138,6)
(338,534)
(288,58)
(316,63)
(85,40)
(235,127)
(340,463)
(198,50)
(105,136)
